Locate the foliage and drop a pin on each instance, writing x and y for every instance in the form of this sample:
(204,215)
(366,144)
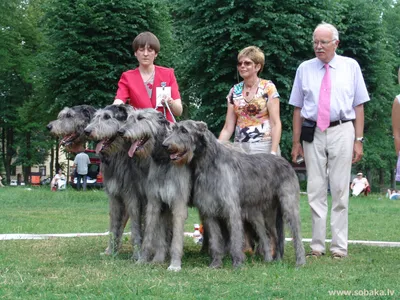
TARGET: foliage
(214,32)
(91,45)
(17,76)
(57,53)
(364,37)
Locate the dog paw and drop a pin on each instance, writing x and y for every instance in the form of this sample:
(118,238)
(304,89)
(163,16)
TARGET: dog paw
(215,264)
(174,268)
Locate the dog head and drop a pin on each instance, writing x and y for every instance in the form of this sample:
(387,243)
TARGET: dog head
(142,129)
(105,125)
(185,140)
(70,124)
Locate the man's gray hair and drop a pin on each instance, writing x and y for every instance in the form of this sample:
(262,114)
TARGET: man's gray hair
(332,28)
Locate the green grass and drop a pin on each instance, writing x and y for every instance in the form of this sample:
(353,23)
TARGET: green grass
(72,268)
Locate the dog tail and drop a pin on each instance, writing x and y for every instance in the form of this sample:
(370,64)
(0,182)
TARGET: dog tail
(280,230)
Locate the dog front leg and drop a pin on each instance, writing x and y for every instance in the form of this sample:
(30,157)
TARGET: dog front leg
(257,221)
(135,213)
(235,226)
(153,211)
(118,218)
(179,215)
(215,241)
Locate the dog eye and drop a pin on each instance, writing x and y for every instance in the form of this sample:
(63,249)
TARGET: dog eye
(140,118)
(106,117)
(69,115)
(183,130)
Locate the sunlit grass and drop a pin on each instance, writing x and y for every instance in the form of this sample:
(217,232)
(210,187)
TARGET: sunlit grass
(72,268)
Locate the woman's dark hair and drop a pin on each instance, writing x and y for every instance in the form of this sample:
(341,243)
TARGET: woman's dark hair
(146,38)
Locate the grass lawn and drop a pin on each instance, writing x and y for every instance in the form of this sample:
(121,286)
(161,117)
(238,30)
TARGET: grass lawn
(72,268)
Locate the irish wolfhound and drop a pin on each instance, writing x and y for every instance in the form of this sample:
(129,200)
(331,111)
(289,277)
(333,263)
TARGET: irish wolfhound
(70,125)
(167,184)
(234,186)
(123,177)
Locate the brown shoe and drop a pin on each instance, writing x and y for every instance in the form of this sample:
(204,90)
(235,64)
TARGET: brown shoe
(337,255)
(315,254)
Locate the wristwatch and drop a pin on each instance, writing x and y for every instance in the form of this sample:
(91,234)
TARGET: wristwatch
(360,139)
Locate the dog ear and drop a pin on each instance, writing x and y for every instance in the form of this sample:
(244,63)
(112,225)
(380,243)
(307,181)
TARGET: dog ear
(121,114)
(202,126)
(88,113)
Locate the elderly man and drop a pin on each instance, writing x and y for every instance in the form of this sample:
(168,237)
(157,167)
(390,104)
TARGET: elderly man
(328,123)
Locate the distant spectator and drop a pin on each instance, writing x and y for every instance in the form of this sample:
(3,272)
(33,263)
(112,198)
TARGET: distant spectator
(360,185)
(393,194)
(1,183)
(56,178)
(81,163)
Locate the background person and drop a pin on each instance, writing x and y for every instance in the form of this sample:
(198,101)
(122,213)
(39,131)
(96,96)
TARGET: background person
(81,163)
(396,131)
(392,194)
(56,178)
(328,96)
(253,107)
(1,183)
(140,85)
(360,185)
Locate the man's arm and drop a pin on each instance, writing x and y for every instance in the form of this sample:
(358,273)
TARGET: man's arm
(396,124)
(359,132)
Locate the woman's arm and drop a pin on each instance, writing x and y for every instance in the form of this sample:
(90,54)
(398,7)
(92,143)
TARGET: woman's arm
(276,125)
(175,106)
(396,124)
(230,123)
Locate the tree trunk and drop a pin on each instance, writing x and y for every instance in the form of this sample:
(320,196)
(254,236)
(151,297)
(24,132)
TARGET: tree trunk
(27,168)
(51,162)
(8,152)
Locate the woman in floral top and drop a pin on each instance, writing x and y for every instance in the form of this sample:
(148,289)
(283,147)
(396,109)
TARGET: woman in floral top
(253,107)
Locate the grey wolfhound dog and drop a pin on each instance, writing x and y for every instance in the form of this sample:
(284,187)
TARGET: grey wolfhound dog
(70,125)
(123,177)
(168,185)
(235,187)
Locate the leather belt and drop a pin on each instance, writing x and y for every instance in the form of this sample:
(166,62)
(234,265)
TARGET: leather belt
(334,123)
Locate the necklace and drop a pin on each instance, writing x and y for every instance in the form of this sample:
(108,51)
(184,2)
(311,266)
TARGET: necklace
(248,91)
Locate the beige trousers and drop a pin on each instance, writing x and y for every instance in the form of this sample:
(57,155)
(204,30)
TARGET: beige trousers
(260,147)
(329,157)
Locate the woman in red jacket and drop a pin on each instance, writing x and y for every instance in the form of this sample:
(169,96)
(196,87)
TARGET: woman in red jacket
(149,86)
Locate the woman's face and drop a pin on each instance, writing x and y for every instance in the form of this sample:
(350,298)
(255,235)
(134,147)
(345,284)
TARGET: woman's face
(146,56)
(247,68)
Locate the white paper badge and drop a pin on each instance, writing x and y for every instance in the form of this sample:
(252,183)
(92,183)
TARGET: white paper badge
(162,93)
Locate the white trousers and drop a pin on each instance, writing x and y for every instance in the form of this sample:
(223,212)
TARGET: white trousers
(329,157)
(260,147)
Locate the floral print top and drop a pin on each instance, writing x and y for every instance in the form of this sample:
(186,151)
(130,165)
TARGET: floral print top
(252,118)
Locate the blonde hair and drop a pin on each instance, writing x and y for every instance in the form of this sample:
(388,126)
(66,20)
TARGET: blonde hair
(255,54)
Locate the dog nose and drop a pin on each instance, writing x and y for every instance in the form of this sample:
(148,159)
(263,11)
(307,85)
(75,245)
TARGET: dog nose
(49,127)
(121,132)
(88,132)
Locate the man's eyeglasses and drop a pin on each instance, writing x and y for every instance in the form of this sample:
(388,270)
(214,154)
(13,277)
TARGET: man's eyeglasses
(245,63)
(323,43)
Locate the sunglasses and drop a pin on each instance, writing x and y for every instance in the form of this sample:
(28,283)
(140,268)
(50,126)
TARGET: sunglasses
(245,63)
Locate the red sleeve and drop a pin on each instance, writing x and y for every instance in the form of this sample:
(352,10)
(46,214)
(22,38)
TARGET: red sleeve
(174,86)
(123,90)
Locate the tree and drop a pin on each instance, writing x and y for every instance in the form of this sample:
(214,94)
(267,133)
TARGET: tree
(18,31)
(365,38)
(91,45)
(212,33)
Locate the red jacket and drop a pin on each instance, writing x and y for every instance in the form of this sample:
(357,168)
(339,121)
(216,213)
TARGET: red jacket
(131,86)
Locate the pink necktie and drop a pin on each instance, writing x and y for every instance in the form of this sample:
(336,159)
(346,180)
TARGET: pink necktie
(324,101)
